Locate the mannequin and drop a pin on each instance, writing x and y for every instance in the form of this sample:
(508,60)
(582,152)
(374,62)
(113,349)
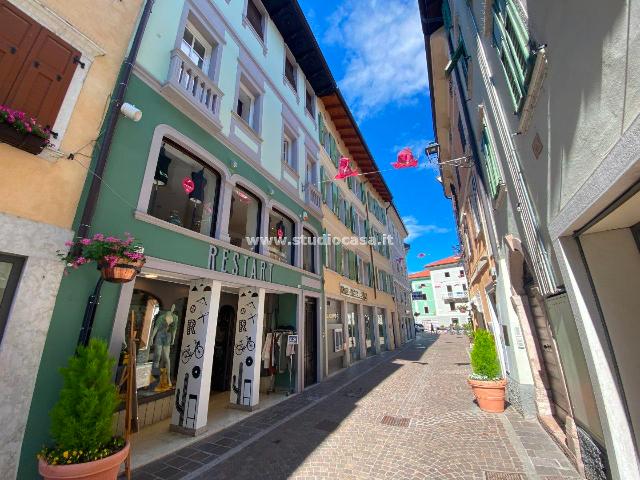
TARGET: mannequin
(163,335)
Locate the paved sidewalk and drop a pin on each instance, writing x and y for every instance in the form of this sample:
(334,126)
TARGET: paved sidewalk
(402,414)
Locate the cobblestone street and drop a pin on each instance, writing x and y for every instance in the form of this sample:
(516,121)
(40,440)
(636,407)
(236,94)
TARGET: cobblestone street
(402,414)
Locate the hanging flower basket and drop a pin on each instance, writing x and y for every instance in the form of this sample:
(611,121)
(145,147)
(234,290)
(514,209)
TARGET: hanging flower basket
(119,261)
(123,271)
(21,131)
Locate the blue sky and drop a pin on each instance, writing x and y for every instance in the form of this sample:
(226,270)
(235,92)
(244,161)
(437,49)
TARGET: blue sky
(375,49)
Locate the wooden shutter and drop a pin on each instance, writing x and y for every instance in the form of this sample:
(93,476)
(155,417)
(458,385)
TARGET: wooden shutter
(325,250)
(44,78)
(339,259)
(17,34)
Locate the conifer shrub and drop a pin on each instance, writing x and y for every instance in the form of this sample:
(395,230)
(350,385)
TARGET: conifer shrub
(484,357)
(81,421)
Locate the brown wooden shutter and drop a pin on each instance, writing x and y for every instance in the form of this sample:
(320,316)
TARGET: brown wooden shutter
(43,81)
(17,34)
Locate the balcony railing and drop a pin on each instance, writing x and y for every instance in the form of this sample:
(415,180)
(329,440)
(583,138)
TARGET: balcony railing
(455,297)
(193,87)
(313,197)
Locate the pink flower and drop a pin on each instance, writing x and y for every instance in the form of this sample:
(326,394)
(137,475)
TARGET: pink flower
(80,261)
(133,255)
(112,260)
(85,241)
(112,239)
(99,237)
(69,243)
(11,118)
(27,127)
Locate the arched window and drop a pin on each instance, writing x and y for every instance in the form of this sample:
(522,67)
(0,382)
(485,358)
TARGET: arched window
(281,232)
(186,191)
(244,218)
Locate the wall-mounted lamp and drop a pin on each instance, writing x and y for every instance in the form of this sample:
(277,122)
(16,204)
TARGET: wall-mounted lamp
(131,112)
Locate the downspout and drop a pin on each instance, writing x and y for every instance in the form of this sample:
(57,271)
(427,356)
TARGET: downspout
(113,115)
(373,266)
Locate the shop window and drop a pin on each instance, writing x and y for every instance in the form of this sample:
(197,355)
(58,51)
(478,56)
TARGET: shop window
(281,232)
(35,76)
(309,252)
(244,218)
(10,269)
(196,47)
(255,17)
(185,191)
(158,309)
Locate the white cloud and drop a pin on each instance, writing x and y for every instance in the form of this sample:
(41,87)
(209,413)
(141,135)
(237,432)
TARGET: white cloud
(416,230)
(384,53)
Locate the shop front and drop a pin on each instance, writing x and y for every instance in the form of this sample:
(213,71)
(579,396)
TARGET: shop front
(369,330)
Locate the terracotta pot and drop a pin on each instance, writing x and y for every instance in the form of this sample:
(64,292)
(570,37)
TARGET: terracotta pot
(489,394)
(33,144)
(10,135)
(124,271)
(103,469)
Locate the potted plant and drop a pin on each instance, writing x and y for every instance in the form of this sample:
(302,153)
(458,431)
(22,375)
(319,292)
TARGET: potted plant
(82,420)
(119,261)
(486,380)
(21,131)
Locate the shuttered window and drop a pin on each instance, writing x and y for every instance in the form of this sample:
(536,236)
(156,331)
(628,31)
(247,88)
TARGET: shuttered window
(512,42)
(36,66)
(494,178)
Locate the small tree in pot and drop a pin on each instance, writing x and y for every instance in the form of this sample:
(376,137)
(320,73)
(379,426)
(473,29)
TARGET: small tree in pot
(81,421)
(486,380)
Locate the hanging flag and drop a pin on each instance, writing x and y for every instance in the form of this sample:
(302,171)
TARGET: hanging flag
(422,255)
(345,170)
(405,159)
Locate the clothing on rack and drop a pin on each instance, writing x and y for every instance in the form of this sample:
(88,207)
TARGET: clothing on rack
(267,350)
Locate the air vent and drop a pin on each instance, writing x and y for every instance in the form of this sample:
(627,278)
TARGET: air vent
(503,476)
(395,421)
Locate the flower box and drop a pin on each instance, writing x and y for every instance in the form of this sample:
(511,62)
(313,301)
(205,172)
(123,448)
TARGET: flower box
(21,131)
(10,135)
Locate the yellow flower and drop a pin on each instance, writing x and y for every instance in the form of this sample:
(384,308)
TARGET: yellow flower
(65,454)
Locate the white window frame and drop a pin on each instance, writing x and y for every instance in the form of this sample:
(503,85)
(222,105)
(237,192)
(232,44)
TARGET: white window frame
(209,48)
(247,24)
(288,57)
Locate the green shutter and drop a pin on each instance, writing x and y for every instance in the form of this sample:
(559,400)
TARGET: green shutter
(492,169)
(339,259)
(325,251)
(323,185)
(446,15)
(320,129)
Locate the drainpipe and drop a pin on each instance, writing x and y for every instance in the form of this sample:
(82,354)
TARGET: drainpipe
(113,115)
(373,266)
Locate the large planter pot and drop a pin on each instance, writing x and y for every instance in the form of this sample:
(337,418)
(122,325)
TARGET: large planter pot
(490,394)
(103,469)
(10,135)
(122,272)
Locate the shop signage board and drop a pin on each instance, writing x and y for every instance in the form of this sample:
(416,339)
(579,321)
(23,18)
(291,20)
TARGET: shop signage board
(292,340)
(224,260)
(348,291)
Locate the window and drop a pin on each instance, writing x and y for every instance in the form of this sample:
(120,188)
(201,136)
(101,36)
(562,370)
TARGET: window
(311,171)
(196,47)
(447,274)
(426,309)
(452,307)
(244,218)
(281,232)
(290,73)
(10,269)
(309,251)
(461,273)
(449,289)
(494,178)
(255,18)
(36,75)
(246,106)
(185,190)
(159,309)
(309,102)
(511,39)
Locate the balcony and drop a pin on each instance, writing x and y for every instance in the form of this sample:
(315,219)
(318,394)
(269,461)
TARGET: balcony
(313,197)
(192,90)
(451,297)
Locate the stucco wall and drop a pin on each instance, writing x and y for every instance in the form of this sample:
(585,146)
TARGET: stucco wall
(44,188)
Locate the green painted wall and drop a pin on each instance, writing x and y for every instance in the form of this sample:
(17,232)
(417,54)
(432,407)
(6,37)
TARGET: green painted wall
(423,285)
(114,215)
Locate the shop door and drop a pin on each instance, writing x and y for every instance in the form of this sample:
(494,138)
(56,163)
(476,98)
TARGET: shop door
(223,352)
(555,381)
(310,342)
(354,334)
(382,331)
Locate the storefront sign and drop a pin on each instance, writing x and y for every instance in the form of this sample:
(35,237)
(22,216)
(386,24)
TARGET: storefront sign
(348,291)
(418,296)
(292,340)
(228,261)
